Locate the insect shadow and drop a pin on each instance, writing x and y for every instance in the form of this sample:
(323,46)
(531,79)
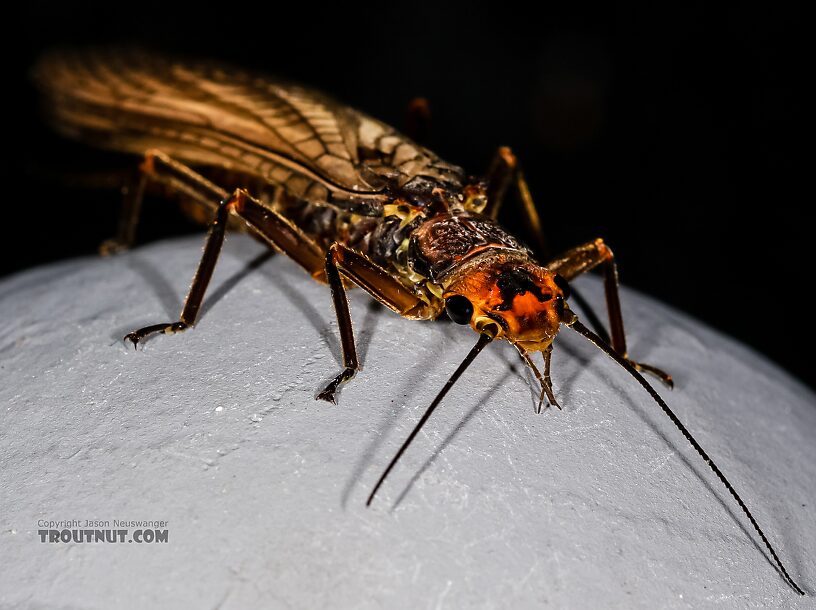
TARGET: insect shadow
(644,347)
(154,277)
(279,276)
(651,422)
(374,311)
(463,423)
(510,369)
(231,282)
(633,404)
(171,303)
(388,421)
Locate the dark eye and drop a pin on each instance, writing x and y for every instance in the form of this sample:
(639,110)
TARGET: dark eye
(459,309)
(563,285)
(559,307)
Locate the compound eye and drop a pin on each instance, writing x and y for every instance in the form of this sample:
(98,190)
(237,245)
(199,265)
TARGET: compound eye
(563,285)
(459,309)
(559,306)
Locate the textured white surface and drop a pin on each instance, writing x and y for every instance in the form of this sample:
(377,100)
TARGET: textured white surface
(217,431)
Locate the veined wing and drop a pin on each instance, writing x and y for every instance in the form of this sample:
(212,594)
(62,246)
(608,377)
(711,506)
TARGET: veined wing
(313,146)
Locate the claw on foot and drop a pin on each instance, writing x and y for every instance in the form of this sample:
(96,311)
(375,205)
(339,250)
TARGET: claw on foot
(328,394)
(550,401)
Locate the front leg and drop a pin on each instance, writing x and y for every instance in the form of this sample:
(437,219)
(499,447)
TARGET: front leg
(504,171)
(544,380)
(584,258)
(381,285)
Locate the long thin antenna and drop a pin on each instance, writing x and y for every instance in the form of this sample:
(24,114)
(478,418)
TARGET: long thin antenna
(604,347)
(484,339)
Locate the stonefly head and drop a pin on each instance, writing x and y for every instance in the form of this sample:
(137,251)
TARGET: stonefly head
(527,302)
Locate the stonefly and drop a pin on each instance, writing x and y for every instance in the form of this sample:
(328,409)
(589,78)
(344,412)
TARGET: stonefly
(348,198)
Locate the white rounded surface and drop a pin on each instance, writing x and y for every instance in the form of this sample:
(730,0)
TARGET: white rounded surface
(217,431)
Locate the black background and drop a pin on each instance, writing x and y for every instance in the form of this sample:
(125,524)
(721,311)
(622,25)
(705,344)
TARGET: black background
(673,131)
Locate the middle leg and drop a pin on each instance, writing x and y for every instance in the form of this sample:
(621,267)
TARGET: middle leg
(381,285)
(504,171)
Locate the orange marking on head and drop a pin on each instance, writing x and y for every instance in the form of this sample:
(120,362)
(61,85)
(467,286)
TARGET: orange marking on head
(526,304)
(519,294)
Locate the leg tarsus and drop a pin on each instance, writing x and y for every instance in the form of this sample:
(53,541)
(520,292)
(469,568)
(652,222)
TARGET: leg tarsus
(653,370)
(166,328)
(329,392)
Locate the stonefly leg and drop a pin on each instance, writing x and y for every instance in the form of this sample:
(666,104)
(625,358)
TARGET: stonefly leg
(201,279)
(586,257)
(377,282)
